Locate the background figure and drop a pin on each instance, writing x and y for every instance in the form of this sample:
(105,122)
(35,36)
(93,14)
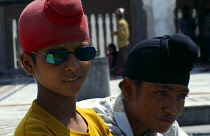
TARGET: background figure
(112,57)
(206,38)
(187,24)
(122,34)
(206,32)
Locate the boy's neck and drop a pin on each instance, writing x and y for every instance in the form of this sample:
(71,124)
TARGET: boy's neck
(61,107)
(137,131)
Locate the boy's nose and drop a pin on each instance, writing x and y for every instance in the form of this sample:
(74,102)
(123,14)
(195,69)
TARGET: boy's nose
(72,63)
(171,107)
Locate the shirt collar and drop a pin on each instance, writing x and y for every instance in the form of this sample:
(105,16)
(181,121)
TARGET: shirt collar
(121,117)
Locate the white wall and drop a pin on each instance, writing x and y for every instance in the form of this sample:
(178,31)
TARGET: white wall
(160,17)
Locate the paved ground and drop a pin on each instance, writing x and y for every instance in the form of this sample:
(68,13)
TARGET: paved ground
(17,93)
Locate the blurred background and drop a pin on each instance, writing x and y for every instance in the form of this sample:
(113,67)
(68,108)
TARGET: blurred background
(146,18)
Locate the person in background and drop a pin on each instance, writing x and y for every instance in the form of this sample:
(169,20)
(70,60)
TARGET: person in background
(206,39)
(187,23)
(122,34)
(153,90)
(112,58)
(57,52)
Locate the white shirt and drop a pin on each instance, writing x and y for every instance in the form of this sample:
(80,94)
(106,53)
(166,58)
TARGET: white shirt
(112,111)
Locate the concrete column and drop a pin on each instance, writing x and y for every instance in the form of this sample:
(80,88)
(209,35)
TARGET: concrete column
(2,42)
(163,11)
(160,17)
(138,24)
(97,83)
(147,6)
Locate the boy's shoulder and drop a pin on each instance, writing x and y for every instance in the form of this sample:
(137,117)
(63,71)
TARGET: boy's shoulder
(95,123)
(31,127)
(122,21)
(37,121)
(99,105)
(31,124)
(89,115)
(88,112)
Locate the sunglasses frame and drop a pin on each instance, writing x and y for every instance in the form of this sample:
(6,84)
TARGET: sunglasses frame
(45,56)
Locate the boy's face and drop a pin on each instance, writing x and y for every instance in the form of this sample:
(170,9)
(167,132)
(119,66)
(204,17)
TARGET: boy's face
(64,78)
(156,106)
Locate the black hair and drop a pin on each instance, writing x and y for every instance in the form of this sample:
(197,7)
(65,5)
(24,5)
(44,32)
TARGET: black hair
(120,16)
(120,84)
(33,57)
(113,46)
(114,53)
(186,9)
(136,82)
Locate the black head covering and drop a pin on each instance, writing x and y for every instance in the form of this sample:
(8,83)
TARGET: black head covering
(167,59)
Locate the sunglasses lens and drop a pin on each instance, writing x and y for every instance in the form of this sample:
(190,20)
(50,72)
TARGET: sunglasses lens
(56,56)
(60,56)
(85,53)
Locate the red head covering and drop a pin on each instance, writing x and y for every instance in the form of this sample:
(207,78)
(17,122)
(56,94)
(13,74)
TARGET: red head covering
(49,22)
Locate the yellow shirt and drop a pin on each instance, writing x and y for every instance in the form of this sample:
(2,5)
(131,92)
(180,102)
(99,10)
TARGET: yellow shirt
(38,122)
(123,33)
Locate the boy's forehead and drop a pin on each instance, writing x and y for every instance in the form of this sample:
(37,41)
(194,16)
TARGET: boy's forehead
(72,45)
(172,87)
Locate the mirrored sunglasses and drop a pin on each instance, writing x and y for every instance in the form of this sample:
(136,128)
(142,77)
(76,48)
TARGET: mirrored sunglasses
(58,56)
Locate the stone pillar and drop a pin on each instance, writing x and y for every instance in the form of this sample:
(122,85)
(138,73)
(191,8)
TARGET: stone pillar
(2,42)
(138,24)
(147,6)
(97,83)
(164,17)
(160,17)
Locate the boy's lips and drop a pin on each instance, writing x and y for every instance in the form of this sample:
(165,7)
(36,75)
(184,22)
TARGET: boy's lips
(168,121)
(71,79)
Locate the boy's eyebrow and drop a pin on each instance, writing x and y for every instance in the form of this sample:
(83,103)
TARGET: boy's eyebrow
(169,88)
(164,87)
(185,90)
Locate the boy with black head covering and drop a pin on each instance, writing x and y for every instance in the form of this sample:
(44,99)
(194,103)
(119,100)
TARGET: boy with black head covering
(153,90)
(57,52)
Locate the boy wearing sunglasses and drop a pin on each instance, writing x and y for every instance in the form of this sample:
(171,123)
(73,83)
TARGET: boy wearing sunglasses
(54,37)
(153,91)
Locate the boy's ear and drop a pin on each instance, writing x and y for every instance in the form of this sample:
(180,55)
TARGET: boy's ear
(27,63)
(128,89)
